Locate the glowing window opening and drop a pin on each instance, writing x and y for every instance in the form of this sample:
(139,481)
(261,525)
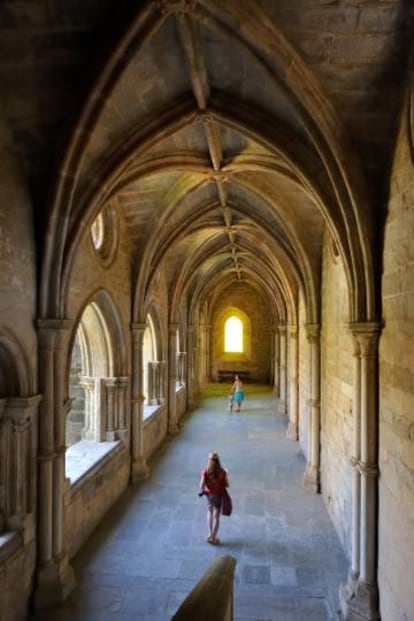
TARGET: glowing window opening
(233,335)
(98,232)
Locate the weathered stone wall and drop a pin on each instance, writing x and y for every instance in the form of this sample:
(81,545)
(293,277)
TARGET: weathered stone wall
(87,501)
(304,381)
(256,358)
(17,320)
(396,448)
(336,397)
(155,431)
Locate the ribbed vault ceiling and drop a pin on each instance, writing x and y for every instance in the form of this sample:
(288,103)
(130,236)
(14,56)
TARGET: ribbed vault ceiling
(228,135)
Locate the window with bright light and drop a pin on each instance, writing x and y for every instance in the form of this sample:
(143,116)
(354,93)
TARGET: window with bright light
(233,335)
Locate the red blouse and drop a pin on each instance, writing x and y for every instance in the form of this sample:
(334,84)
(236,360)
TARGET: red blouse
(215,485)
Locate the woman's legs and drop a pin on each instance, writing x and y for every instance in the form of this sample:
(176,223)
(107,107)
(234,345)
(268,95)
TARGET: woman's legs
(210,522)
(213,523)
(216,523)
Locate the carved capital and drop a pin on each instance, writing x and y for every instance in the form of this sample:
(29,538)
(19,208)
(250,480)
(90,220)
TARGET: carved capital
(367,335)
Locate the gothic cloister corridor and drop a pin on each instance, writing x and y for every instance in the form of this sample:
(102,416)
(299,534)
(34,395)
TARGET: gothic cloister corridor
(150,548)
(174,172)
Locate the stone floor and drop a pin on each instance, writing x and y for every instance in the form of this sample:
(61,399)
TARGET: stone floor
(150,550)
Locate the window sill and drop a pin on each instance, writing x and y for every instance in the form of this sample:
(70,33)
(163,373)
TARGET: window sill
(84,456)
(10,541)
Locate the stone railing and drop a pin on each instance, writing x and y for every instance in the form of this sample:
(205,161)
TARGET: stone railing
(212,597)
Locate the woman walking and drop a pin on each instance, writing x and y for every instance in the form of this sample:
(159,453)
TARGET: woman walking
(214,480)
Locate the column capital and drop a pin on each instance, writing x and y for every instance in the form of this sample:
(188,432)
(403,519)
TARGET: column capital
(366,334)
(138,326)
(50,332)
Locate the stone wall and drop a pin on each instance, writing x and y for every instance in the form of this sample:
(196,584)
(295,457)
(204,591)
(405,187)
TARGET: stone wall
(256,358)
(17,328)
(396,448)
(155,430)
(88,500)
(336,397)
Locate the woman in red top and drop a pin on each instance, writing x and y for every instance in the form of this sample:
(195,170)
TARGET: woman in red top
(213,482)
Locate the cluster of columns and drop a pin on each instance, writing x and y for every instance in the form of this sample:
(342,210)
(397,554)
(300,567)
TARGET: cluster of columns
(105,406)
(359,596)
(156,381)
(55,578)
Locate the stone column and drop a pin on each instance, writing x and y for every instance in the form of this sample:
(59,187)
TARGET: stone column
(347,589)
(55,578)
(312,473)
(206,357)
(139,468)
(89,429)
(172,379)
(180,367)
(161,380)
(190,369)
(276,364)
(363,601)
(122,386)
(293,430)
(282,369)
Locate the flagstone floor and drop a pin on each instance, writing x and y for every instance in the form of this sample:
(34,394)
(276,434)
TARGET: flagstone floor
(150,550)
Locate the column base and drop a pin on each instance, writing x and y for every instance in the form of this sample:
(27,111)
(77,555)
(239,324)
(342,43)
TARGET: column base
(173,428)
(311,479)
(139,471)
(359,602)
(292,432)
(55,582)
(347,589)
(281,408)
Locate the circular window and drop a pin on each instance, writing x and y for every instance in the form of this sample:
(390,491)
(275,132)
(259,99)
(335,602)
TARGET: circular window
(104,234)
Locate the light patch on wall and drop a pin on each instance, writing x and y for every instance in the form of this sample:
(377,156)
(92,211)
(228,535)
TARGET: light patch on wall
(233,335)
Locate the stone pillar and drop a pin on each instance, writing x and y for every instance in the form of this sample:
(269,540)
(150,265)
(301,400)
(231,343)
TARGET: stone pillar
(293,429)
(276,364)
(312,473)
(180,367)
(122,386)
(139,468)
(190,370)
(282,370)
(172,379)
(55,578)
(347,589)
(360,600)
(89,430)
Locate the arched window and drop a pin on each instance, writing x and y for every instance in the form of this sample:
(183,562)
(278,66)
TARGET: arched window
(149,348)
(233,335)
(97,387)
